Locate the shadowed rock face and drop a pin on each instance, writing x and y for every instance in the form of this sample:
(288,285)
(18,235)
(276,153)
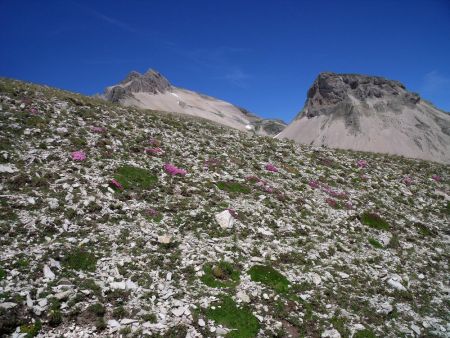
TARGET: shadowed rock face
(153,91)
(370,113)
(151,82)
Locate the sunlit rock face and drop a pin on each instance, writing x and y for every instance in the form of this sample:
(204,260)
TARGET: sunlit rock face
(371,113)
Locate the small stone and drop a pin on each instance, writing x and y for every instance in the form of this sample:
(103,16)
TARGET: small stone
(118,285)
(416,329)
(48,273)
(333,333)
(113,323)
(243,297)
(165,239)
(224,219)
(7,305)
(169,276)
(396,285)
(343,275)
(179,311)
(127,321)
(43,302)
(201,322)
(7,168)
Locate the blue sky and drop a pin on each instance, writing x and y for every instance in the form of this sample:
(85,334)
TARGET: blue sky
(261,55)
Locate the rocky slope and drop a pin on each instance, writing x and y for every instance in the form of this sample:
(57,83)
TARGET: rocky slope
(373,114)
(116,221)
(153,91)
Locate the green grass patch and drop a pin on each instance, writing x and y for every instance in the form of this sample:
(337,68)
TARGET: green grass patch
(374,221)
(423,229)
(375,243)
(2,274)
(366,333)
(233,187)
(80,259)
(135,178)
(31,330)
(270,277)
(241,320)
(220,275)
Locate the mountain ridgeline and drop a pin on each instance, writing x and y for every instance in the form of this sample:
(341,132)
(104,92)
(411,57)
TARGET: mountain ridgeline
(369,113)
(153,91)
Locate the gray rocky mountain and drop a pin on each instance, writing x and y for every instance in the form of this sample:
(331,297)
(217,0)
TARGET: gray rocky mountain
(153,91)
(370,113)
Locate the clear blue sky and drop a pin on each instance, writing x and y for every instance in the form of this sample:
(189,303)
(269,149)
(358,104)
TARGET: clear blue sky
(261,55)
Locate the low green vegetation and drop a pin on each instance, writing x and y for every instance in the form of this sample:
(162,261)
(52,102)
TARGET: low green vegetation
(31,330)
(366,333)
(423,229)
(97,309)
(241,320)
(134,178)
(374,220)
(80,259)
(2,274)
(220,275)
(375,243)
(233,187)
(270,277)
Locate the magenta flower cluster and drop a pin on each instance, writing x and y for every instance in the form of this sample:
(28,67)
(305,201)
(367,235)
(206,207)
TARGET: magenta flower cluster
(152,212)
(172,170)
(361,164)
(116,184)
(271,167)
(437,178)
(78,155)
(407,180)
(328,190)
(98,130)
(260,183)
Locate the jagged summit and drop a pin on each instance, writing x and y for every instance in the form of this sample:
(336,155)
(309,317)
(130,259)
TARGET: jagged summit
(331,88)
(150,82)
(371,113)
(152,90)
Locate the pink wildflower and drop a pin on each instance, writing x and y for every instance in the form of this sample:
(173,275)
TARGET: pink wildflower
(152,212)
(331,202)
(154,151)
(268,189)
(78,155)
(314,184)
(116,184)
(437,178)
(34,111)
(361,163)
(349,205)
(271,167)
(172,170)
(407,180)
(98,130)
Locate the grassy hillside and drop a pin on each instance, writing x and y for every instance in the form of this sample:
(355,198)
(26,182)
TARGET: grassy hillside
(118,221)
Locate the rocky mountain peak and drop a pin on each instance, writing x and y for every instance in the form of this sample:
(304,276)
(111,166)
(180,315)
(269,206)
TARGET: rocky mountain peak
(151,82)
(330,89)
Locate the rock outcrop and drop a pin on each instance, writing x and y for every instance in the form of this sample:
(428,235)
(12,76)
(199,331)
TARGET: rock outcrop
(371,113)
(153,91)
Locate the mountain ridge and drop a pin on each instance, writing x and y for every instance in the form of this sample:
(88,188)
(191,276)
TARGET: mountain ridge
(153,91)
(370,113)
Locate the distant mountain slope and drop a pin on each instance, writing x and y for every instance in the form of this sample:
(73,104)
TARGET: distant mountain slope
(374,114)
(153,91)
